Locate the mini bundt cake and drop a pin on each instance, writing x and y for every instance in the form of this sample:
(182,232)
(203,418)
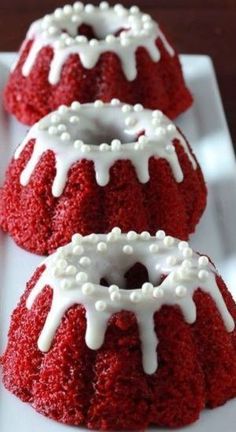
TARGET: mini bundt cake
(121,331)
(86,53)
(88,168)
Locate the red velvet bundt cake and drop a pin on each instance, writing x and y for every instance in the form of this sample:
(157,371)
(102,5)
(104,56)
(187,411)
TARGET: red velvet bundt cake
(86,53)
(120,331)
(88,168)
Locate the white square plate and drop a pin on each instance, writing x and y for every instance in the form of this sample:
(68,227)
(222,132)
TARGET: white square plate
(205,127)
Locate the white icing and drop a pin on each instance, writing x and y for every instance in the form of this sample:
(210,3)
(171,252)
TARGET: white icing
(78,132)
(59,31)
(177,289)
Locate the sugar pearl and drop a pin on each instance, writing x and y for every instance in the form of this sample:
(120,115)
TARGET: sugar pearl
(76,238)
(168,241)
(101,247)
(160,133)
(78,144)
(78,6)
(100,305)
(115,296)
(104,147)
(154,248)
(88,289)
(66,284)
(71,270)
(78,250)
(93,42)
(98,104)
(52,130)
(85,148)
(115,101)
(76,106)
(110,38)
(170,148)
(158,292)
(135,297)
(203,275)
(67,9)
(81,277)
(145,235)
(116,145)
(187,252)
(160,234)
(132,235)
(147,288)
(61,128)
(203,261)
(85,261)
(113,288)
(127,249)
(74,119)
(134,10)
(62,109)
(89,8)
(126,108)
(61,264)
(116,230)
(182,245)
(171,260)
(181,291)
(104,5)
(138,107)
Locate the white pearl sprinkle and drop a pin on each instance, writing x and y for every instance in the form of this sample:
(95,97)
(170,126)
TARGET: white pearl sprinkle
(62,109)
(112,237)
(74,119)
(110,38)
(78,250)
(203,275)
(125,41)
(100,305)
(115,101)
(98,104)
(158,292)
(61,128)
(116,145)
(160,132)
(146,17)
(134,10)
(93,42)
(101,247)
(157,115)
(71,270)
(186,264)
(147,288)
(85,148)
(85,261)
(170,148)
(126,108)
(135,297)
(78,144)
(89,8)
(52,30)
(93,238)
(52,130)
(145,235)
(81,39)
(128,250)
(88,288)
(203,261)
(78,6)
(115,296)
(65,136)
(181,291)
(76,106)
(54,118)
(160,234)
(76,238)
(116,230)
(67,9)
(113,288)
(148,25)
(154,248)
(81,277)
(132,235)
(168,241)
(58,13)
(138,107)
(61,264)
(182,245)
(171,128)
(187,252)
(104,5)
(69,41)
(104,147)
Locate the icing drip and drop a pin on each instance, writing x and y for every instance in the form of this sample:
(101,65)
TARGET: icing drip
(59,30)
(78,132)
(74,273)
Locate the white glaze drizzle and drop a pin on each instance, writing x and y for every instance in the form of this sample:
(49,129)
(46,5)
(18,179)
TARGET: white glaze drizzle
(140,31)
(70,133)
(73,283)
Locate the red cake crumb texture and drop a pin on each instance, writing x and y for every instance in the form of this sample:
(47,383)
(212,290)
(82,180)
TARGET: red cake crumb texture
(107,388)
(40,221)
(157,83)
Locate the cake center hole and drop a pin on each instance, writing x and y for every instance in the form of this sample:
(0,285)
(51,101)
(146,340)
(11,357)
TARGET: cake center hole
(134,278)
(99,33)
